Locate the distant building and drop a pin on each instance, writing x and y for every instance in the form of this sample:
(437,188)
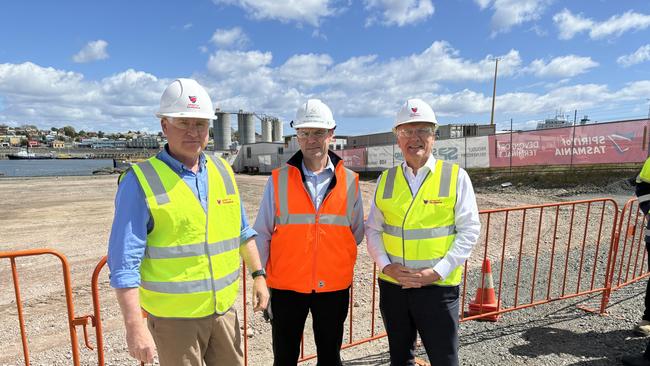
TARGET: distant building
(374,139)
(56,144)
(144,142)
(455,131)
(557,121)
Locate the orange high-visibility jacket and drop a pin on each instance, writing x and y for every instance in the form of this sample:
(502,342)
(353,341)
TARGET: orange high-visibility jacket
(312,250)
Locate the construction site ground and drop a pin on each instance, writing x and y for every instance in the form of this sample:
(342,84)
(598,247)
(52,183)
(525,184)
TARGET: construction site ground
(73,215)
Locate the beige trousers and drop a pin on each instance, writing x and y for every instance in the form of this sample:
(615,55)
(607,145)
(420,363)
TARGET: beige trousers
(215,340)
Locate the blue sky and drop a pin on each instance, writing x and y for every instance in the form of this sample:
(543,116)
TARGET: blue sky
(102,65)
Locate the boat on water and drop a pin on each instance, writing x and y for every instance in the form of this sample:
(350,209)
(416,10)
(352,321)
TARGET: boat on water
(24,154)
(124,164)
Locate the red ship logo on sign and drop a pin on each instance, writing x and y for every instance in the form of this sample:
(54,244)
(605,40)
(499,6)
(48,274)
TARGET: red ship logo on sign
(192,99)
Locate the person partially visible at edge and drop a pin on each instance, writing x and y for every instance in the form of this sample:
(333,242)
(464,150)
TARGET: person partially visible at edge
(175,245)
(310,223)
(642,191)
(422,226)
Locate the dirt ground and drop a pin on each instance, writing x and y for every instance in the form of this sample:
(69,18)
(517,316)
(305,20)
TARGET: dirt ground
(73,215)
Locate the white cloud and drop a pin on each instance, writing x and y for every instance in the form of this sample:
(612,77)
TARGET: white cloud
(363,86)
(561,67)
(569,24)
(640,55)
(49,97)
(301,11)
(509,13)
(234,37)
(93,51)
(398,12)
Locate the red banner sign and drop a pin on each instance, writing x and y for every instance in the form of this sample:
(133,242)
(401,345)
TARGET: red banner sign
(620,142)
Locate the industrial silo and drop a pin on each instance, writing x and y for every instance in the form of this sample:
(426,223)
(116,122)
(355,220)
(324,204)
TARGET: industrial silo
(221,131)
(277,130)
(246,126)
(267,129)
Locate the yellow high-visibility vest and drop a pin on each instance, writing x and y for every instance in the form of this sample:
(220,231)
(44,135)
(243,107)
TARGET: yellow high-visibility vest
(419,228)
(644,176)
(191,264)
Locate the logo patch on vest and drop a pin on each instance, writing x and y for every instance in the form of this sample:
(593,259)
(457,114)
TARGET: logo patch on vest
(225,201)
(321,284)
(431,202)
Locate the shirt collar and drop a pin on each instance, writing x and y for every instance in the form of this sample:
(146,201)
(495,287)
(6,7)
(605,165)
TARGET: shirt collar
(430,164)
(328,166)
(176,165)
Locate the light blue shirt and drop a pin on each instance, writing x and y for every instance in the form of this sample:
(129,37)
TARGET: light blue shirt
(316,185)
(132,221)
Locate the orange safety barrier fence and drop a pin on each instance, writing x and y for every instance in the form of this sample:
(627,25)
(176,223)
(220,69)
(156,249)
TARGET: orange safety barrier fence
(630,256)
(543,253)
(73,321)
(538,254)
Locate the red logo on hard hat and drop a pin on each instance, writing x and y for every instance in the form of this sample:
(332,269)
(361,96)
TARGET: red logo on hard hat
(414,109)
(192,99)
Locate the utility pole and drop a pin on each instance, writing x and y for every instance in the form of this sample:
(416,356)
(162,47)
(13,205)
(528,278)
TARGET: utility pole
(494,91)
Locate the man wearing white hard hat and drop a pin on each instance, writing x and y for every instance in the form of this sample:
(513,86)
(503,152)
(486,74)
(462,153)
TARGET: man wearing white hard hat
(175,245)
(309,225)
(421,228)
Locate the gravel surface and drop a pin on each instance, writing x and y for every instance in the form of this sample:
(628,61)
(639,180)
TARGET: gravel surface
(73,216)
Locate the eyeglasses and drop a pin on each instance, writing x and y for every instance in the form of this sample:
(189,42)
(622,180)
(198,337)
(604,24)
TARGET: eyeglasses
(186,124)
(410,132)
(317,134)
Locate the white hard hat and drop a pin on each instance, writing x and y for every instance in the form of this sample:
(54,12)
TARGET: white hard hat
(314,114)
(415,110)
(185,98)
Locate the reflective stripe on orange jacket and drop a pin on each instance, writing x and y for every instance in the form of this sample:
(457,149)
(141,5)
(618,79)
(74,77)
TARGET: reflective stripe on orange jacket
(312,250)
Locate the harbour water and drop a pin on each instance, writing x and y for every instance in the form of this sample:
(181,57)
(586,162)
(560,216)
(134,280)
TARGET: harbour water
(51,167)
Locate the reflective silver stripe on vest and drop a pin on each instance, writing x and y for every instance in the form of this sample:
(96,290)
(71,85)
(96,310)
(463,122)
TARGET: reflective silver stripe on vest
(390,182)
(352,190)
(644,198)
(647,232)
(192,250)
(189,287)
(445,179)
(412,263)
(328,219)
(227,181)
(283,195)
(154,181)
(417,234)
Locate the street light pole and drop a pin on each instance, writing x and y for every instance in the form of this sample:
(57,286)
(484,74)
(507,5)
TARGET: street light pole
(494,91)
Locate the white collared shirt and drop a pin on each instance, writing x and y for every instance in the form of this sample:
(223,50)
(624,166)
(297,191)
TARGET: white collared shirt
(468,226)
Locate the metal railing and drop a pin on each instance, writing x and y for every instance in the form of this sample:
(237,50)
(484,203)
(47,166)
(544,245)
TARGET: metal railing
(540,254)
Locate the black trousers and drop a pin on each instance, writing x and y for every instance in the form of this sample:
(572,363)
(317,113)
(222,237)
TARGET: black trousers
(328,310)
(431,311)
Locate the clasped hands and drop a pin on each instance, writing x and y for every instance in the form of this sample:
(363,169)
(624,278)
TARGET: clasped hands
(411,277)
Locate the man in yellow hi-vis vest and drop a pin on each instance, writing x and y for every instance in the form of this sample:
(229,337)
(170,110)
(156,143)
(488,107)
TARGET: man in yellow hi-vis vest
(642,191)
(175,245)
(422,226)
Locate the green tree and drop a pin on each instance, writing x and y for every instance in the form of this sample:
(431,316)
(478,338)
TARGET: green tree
(69,131)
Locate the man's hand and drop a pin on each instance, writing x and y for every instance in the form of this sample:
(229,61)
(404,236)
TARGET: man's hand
(140,343)
(427,277)
(260,294)
(407,277)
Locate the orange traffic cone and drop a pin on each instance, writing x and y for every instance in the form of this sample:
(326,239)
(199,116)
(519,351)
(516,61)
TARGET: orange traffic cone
(485,300)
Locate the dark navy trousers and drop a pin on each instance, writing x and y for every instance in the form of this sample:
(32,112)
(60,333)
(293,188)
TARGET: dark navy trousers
(328,311)
(431,311)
